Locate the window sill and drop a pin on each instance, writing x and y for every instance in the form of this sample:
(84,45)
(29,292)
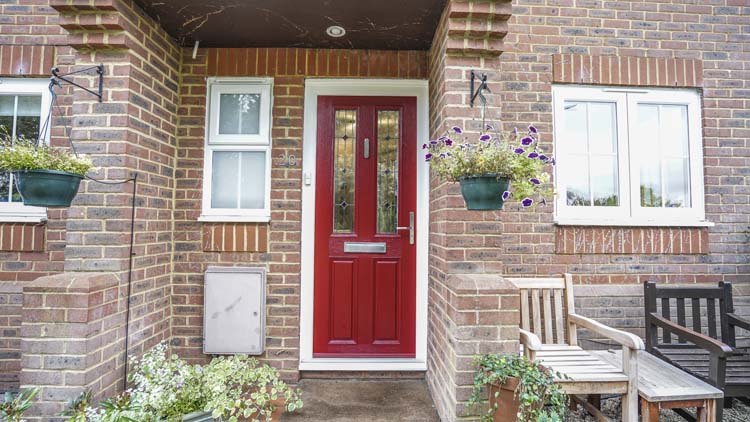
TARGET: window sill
(234,219)
(23,218)
(632,223)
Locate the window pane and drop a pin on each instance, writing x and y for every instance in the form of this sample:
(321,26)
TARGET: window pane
(344,157)
(602,128)
(576,130)
(388,140)
(662,144)
(677,176)
(604,181)
(239,114)
(7,108)
(28,117)
(590,161)
(224,179)
(253,180)
(578,192)
(4,185)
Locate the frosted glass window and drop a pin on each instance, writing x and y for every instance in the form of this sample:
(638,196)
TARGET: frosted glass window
(238,179)
(239,114)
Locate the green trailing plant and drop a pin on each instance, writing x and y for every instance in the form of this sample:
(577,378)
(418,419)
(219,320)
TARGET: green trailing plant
(541,400)
(240,388)
(12,409)
(519,158)
(22,155)
(165,388)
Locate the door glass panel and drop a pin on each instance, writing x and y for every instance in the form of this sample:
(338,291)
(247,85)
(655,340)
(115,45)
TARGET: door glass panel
(344,155)
(239,114)
(388,141)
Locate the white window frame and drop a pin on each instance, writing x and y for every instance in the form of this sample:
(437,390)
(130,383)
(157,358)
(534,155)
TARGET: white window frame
(17,212)
(240,143)
(630,212)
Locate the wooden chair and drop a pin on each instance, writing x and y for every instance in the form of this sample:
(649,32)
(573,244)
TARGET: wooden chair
(708,349)
(548,313)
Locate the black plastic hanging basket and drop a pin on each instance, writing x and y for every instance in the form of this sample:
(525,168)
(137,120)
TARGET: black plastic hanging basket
(47,188)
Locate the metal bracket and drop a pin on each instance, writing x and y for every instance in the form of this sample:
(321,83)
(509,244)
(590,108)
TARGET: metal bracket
(56,78)
(482,79)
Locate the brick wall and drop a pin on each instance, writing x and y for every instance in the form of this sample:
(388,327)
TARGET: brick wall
(71,323)
(275,246)
(10,328)
(469,313)
(669,43)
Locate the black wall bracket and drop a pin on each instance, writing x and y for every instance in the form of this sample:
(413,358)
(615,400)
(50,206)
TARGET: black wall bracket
(57,77)
(480,78)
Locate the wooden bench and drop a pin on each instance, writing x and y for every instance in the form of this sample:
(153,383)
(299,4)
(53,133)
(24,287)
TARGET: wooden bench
(548,312)
(663,386)
(708,349)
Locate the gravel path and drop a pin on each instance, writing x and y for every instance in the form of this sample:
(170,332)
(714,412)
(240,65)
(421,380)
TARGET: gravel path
(611,407)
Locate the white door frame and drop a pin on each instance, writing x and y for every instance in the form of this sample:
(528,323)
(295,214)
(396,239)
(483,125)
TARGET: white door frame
(361,87)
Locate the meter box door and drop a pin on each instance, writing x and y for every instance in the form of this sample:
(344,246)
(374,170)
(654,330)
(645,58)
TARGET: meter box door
(234,313)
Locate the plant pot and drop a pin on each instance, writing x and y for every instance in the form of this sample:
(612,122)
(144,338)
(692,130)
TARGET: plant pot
(47,188)
(198,417)
(507,403)
(484,193)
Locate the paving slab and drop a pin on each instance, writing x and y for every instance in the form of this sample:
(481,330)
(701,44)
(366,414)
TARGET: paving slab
(364,401)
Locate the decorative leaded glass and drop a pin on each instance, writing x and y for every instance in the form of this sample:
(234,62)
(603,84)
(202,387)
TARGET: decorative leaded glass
(344,170)
(388,140)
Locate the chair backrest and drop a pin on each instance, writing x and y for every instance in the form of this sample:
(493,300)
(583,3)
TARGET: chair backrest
(705,304)
(545,305)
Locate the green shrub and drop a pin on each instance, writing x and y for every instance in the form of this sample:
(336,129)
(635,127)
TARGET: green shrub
(23,155)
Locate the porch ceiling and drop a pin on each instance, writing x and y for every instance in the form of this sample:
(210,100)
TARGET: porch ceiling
(381,24)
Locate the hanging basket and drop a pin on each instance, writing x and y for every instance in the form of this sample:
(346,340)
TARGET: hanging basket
(47,188)
(484,193)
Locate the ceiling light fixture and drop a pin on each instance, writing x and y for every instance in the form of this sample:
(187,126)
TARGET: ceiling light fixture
(335,31)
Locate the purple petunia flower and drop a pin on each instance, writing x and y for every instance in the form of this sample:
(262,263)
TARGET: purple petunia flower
(527,202)
(543,157)
(533,155)
(433,142)
(527,140)
(428,157)
(457,129)
(448,142)
(519,150)
(485,138)
(535,181)
(424,146)
(552,161)
(532,129)
(506,195)
(443,138)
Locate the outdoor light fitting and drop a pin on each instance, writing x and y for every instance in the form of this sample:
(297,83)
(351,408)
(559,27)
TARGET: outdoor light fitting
(335,31)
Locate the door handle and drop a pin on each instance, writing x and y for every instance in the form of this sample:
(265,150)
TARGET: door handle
(410,228)
(367,147)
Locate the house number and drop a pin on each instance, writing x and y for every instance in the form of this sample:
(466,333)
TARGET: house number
(286,160)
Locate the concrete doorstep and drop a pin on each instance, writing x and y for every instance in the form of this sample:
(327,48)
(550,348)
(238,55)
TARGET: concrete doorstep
(364,401)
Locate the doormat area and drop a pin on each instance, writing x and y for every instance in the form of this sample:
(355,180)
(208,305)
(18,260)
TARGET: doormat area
(364,401)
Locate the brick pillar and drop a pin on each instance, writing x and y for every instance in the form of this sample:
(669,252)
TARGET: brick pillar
(470,311)
(10,341)
(69,339)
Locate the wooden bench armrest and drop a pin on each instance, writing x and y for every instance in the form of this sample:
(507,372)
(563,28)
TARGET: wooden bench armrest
(530,340)
(738,321)
(703,341)
(626,339)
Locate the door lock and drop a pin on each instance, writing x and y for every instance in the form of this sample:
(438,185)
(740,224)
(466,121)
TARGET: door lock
(410,228)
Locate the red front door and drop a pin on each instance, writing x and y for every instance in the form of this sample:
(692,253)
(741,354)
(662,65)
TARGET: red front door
(365,280)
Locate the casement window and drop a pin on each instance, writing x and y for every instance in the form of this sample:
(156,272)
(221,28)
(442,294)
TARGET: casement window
(237,171)
(24,104)
(628,156)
